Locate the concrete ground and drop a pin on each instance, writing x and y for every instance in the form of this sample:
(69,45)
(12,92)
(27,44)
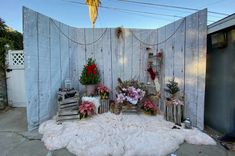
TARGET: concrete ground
(16,141)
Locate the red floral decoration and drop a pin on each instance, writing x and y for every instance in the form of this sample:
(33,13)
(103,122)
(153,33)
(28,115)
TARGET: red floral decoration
(150,107)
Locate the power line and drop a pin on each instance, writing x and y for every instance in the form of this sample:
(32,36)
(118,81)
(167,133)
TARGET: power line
(130,11)
(170,6)
(134,11)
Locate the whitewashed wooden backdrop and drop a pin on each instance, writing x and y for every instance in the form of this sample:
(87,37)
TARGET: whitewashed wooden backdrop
(55,51)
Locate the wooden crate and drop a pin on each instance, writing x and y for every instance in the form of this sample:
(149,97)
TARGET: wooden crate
(173,112)
(67,106)
(104,106)
(129,108)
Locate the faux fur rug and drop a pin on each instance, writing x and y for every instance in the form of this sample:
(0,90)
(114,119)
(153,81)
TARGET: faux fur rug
(119,135)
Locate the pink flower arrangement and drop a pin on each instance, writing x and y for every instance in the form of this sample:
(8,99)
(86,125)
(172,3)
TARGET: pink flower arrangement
(120,98)
(131,94)
(86,109)
(103,91)
(150,107)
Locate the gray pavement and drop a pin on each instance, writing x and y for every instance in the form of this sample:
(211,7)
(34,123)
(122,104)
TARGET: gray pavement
(16,141)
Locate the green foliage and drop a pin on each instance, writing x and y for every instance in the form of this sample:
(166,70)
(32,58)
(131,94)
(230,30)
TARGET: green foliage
(8,37)
(3,50)
(90,73)
(172,87)
(2,27)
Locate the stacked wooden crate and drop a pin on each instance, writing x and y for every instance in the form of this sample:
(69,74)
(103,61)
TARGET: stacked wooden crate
(68,102)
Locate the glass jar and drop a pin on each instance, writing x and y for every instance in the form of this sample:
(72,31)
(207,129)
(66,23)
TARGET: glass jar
(188,123)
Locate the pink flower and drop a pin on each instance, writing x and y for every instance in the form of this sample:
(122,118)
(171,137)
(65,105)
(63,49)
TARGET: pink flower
(103,89)
(120,98)
(149,106)
(133,93)
(86,108)
(130,94)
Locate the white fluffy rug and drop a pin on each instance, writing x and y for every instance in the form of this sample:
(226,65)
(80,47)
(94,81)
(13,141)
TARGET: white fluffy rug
(119,135)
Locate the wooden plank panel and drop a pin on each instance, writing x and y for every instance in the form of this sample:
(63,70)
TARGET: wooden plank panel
(116,57)
(150,47)
(81,54)
(144,37)
(191,62)
(44,66)
(55,75)
(89,38)
(98,53)
(107,57)
(169,53)
(117,45)
(161,47)
(64,53)
(31,66)
(73,57)
(135,73)
(202,43)
(127,54)
(179,54)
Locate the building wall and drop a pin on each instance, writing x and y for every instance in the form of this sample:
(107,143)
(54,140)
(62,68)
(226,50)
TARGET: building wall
(220,85)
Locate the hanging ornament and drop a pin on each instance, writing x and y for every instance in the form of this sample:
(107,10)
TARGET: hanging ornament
(151,72)
(93,6)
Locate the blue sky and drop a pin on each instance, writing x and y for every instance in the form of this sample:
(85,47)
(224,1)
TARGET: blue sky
(77,15)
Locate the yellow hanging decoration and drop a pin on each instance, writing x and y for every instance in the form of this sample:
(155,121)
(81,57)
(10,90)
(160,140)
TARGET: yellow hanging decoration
(93,6)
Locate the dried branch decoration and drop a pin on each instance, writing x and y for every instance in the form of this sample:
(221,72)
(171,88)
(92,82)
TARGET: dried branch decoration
(119,32)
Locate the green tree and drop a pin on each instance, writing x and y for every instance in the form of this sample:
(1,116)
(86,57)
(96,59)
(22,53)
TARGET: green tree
(172,87)
(90,73)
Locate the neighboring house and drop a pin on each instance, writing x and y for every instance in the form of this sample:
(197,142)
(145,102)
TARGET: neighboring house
(220,76)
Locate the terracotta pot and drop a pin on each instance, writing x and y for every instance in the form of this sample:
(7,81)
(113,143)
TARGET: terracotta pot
(90,89)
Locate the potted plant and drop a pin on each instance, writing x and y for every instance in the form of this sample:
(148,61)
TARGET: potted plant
(172,88)
(149,107)
(90,76)
(103,91)
(86,109)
